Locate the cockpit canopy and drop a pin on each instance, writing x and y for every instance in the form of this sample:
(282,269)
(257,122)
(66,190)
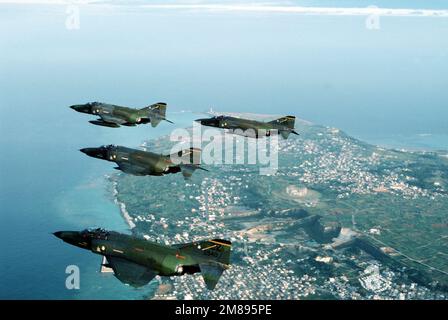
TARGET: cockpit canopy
(109,147)
(95,233)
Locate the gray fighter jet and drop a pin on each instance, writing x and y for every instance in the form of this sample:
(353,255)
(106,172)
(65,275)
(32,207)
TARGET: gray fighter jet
(115,116)
(142,163)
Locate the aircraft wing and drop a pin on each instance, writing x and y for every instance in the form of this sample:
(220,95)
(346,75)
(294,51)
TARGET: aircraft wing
(111,119)
(132,168)
(211,273)
(130,273)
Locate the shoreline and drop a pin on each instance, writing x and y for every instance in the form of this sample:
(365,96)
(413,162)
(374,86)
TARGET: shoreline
(424,143)
(121,205)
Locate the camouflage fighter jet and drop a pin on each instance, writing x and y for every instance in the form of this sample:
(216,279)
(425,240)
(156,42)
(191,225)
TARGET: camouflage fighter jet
(252,128)
(115,116)
(142,163)
(136,261)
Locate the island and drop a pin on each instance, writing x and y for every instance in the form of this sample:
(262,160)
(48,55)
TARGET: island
(341,219)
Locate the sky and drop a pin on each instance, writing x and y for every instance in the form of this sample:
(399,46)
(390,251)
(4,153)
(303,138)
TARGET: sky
(327,67)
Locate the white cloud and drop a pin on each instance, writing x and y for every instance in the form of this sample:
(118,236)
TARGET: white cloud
(260,8)
(306,10)
(54,2)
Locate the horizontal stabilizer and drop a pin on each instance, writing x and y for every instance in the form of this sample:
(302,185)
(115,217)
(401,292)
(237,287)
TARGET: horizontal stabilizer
(188,169)
(186,156)
(285,133)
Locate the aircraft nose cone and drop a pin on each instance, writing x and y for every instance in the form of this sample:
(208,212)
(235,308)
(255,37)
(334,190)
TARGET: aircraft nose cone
(70,237)
(89,151)
(58,234)
(201,121)
(100,153)
(66,236)
(84,108)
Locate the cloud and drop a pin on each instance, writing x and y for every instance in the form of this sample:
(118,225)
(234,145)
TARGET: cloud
(256,8)
(53,2)
(305,10)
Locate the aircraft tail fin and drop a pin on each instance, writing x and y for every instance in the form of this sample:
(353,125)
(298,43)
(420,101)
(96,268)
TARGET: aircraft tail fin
(211,273)
(288,121)
(221,250)
(217,253)
(157,113)
(217,250)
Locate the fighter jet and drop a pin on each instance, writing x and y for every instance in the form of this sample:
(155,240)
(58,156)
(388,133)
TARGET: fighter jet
(142,163)
(115,116)
(135,261)
(252,128)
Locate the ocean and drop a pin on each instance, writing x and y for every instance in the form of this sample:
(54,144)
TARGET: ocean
(386,86)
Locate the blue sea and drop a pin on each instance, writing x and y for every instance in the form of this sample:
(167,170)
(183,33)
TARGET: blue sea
(385,86)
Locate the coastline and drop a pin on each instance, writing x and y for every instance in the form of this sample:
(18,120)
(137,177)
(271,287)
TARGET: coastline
(102,211)
(121,205)
(408,143)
